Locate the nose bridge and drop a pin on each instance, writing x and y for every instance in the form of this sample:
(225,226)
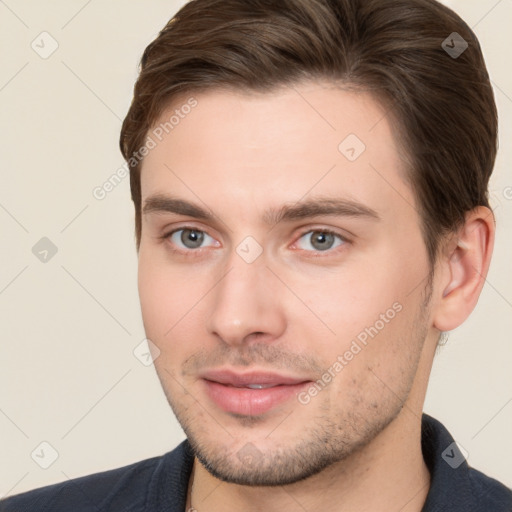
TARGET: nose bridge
(245,300)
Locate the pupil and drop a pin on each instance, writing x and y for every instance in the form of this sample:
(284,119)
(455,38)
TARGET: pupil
(191,238)
(323,240)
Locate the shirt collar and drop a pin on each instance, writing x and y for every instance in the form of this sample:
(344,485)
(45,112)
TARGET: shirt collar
(449,471)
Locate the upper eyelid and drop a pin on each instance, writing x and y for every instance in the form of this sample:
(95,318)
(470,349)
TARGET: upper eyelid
(168,234)
(323,230)
(343,238)
(304,231)
(343,232)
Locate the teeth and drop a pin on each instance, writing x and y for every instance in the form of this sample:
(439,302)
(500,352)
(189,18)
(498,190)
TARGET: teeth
(259,386)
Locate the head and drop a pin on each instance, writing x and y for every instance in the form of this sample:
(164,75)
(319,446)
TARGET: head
(310,188)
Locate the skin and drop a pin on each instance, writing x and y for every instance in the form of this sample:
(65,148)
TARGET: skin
(299,305)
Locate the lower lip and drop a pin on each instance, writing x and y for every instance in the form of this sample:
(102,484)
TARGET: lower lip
(250,402)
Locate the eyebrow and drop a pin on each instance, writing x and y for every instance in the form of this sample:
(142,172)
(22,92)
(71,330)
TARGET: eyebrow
(318,206)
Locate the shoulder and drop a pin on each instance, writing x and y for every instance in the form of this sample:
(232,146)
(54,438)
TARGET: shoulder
(488,493)
(454,485)
(86,493)
(126,488)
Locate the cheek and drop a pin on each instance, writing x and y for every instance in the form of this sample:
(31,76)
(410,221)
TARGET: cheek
(371,315)
(154,298)
(171,308)
(352,301)
(163,296)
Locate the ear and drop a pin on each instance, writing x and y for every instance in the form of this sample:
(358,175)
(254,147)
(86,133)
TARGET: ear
(463,267)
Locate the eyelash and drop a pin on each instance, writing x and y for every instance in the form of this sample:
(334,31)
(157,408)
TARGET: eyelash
(198,252)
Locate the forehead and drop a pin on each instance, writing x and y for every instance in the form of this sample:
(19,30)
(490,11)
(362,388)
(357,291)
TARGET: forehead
(276,146)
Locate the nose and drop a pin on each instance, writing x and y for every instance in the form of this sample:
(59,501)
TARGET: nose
(246,303)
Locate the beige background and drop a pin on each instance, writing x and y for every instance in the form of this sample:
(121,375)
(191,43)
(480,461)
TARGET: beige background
(68,375)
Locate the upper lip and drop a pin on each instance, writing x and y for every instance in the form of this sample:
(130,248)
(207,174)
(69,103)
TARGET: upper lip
(232,378)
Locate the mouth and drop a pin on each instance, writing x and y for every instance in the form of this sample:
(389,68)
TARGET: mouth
(252,393)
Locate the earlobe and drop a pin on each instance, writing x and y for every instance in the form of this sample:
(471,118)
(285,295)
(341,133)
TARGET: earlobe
(464,268)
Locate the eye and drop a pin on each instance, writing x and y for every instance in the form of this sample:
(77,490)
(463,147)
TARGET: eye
(320,240)
(188,238)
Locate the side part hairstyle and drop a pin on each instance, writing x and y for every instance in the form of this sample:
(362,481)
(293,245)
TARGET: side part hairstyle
(441,106)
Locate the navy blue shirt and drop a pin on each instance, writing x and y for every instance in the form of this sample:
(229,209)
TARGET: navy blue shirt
(160,484)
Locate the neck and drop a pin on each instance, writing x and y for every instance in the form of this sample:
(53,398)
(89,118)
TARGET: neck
(389,472)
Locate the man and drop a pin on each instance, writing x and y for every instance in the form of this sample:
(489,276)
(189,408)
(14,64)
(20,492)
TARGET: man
(310,187)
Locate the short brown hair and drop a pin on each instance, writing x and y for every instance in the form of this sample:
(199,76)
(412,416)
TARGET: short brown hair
(443,104)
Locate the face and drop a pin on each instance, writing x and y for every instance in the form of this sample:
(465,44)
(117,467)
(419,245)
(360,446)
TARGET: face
(281,277)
